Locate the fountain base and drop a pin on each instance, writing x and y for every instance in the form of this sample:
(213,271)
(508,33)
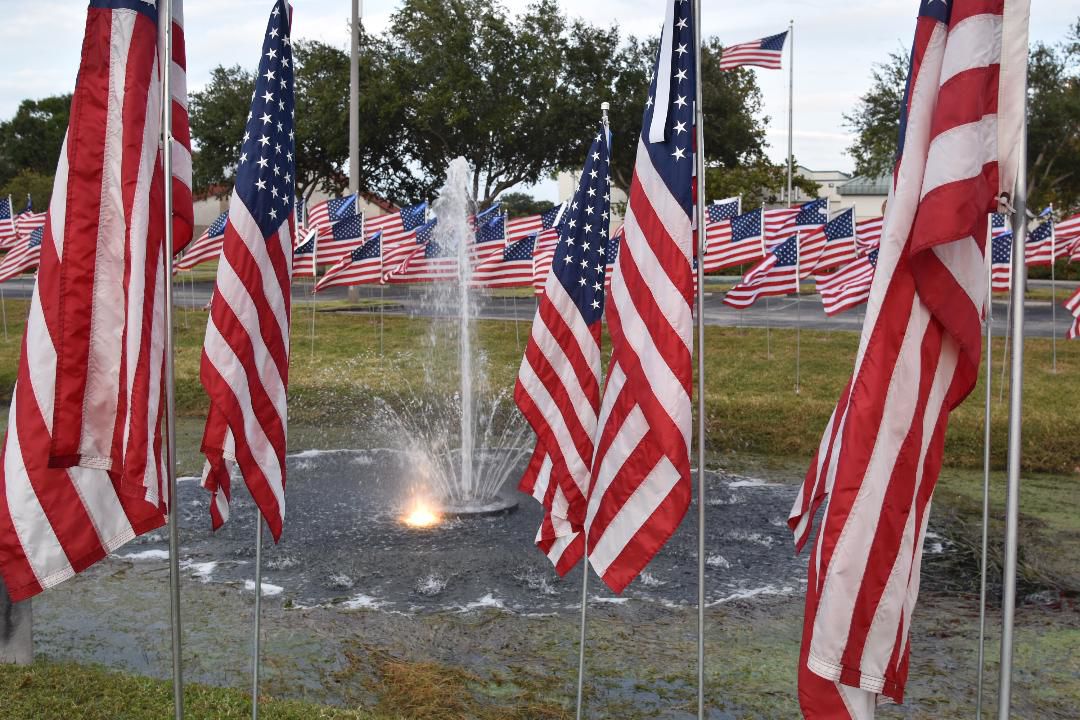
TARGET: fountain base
(502,504)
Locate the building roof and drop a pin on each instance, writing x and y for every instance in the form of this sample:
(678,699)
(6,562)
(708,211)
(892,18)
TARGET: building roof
(863,185)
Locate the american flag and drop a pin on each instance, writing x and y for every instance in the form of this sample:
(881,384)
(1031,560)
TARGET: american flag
(1068,232)
(8,236)
(999,224)
(782,222)
(362,265)
(641,471)
(303,259)
(521,227)
(1001,245)
(207,247)
(777,274)
(322,215)
(918,358)
(398,232)
(558,384)
(849,286)
(1073,306)
(546,241)
(513,267)
(245,360)
(490,239)
(1042,247)
(724,209)
(28,221)
(428,261)
(339,239)
(82,469)
(867,234)
(733,242)
(829,246)
(22,258)
(764,53)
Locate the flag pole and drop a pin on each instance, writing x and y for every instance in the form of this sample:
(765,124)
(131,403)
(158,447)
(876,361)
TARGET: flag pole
(699,208)
(1016,388)
(791,112)
(166,12)
(3,309)
(314,282)
(798,314)
(986,474)
(1005,348)
(1053,289)
(258,616)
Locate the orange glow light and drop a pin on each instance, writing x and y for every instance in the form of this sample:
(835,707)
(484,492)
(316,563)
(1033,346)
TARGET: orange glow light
(422,515)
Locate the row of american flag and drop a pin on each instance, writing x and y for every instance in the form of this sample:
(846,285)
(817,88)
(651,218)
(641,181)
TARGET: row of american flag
(83,466)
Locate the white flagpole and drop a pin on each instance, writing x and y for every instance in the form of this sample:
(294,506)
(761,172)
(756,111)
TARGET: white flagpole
(3,308)
(791,113)
(986,473)
(1005,348)
(798,313)
(166,16)
(258,616)
(699,160)
(314,282)
(1053,288)
(1016,388)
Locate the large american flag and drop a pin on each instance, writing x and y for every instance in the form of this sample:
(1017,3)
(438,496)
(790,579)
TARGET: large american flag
(245,360)
(8,236)
(918,358)
(23,257)
(1073,306)
(641,471)
(207,247)
(558,384)
(82,470)
(765,52)
(362,265)
(1001,245)
(733,242)
(778,274)
(829,246)
(849,286)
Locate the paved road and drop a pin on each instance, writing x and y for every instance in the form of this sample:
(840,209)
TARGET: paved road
(784,312)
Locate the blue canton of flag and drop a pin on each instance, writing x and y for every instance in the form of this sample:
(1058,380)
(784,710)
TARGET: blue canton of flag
(426,232)
(787,252)
(493,228)
(349,229)
(871,257)
(746,226)
(341,208)
(484,215)
(29,205)
(1001,250)
(217,228)
(579,258)
(5,208)
(520,250)
(1041,233)
(413,217)
(813,213)
(774,42)
(36,236)
(548,218)
(306,249)
(724,209)
(433,250)
(841,227)
(370,249)
(264,176)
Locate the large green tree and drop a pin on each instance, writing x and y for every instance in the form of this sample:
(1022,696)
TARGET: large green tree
(1053,121)
(218,113)
(31,140)
(515,96)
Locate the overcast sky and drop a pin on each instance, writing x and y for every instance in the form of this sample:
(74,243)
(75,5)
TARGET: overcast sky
(836,42)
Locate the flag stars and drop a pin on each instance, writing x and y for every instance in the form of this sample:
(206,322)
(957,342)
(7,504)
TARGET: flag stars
(681,101)
(262,163)
(679,128)
(681,50)
(261,184)
(265,118)
(681,24)
(263,140)
(270,75)
(681,75)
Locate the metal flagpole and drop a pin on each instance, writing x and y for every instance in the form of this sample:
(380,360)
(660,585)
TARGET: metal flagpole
(986,479)
(604,107)
(791,112)
(1016,388)
(314,282)
(3,309)
(1005,348)
(699,172)
(258,616)
(798,315)
(170,370)
(354,100)
(1053,289)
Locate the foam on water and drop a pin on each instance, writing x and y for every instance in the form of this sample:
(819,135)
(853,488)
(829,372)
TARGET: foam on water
(144,555)
(268,590)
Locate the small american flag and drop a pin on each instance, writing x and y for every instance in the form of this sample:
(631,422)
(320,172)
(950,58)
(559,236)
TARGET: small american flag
(398,233)
(764,53)
(849,286)
(429,261)
(8,236)
(868,234)
(22,258)
(829,246)
(513,267)
(546,240)
(207,247)
(1001,245)
(303,262)
(918,358)
(724,209)
(777,274)
(1042,247)
(733,242)
(245,360)
(1073,306)
(339,239)
(558,384)
(362,265)
(1068,233)
(782,222)
(490,238)
(321,216)
(641,472)
(28,221)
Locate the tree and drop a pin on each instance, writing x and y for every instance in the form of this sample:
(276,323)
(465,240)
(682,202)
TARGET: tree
(32,138)
(1053,121)
(759,183)
(517,97)
(519,204)
(29,182)
(218,114)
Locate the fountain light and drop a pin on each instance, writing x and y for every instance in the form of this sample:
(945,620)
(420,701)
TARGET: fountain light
(422,514)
